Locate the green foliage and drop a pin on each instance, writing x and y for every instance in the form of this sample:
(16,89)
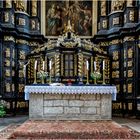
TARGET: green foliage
(96,75)
(42,74)
(2,111)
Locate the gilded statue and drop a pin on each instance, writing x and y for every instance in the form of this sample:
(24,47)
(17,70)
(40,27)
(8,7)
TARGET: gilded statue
(103,8)
(129,3)
(21,87)
(117,5)
(104,23)
(130,88)
(7,87)
(130,73)
(130,53)
(7,63)
(21,5)
(69,27)
(13,87)
(22,55)
(131,16)
(34,7)
(6,17)
(8,3)
(7,73)
(33,24)
(115,55)
(7,52)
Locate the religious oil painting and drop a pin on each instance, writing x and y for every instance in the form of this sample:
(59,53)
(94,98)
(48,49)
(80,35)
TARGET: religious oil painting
(58,13)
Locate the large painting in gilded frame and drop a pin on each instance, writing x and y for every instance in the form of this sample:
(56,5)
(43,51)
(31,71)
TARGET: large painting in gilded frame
(78,12)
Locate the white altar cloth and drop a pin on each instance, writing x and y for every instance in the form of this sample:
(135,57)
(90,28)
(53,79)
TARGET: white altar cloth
(37,89)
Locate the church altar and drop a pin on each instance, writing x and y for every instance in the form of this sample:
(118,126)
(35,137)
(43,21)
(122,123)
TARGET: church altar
(70,102)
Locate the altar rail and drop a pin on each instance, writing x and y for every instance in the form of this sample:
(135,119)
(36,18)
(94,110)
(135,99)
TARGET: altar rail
(70,102)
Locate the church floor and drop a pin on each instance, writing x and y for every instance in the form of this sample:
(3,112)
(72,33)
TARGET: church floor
(115,129)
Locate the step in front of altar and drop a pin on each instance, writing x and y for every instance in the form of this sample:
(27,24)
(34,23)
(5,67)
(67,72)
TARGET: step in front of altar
(42,129)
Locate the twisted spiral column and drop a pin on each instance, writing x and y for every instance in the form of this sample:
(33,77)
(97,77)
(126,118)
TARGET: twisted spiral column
(57,64)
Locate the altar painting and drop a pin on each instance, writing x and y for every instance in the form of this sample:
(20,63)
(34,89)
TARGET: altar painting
(59,12)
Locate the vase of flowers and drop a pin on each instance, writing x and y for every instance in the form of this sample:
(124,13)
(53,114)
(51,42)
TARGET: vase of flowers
(42,74)
(96,75)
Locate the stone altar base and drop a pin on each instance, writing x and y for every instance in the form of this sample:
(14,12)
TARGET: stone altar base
(70,106)
(73,130)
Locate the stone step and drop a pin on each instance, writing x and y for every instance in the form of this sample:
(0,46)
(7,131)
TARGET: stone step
(43,129)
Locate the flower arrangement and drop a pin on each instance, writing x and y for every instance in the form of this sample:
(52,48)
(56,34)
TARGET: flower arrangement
(96,75)
(42,74)
(2,110)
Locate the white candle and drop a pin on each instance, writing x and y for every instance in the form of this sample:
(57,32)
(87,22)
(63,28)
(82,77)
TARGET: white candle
(103,65)
(87,64)
(35,64)
(43,65)
(50,64)
(95,65)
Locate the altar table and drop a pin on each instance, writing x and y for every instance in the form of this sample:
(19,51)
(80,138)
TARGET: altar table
(70,102)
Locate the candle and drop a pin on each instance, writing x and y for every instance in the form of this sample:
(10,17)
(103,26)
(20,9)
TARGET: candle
(35,64)
(50,64)
(43,65)
(94,65)
(103,65)
(87,64)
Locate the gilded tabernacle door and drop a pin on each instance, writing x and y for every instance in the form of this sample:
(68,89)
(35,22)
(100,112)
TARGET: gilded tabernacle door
(59,12)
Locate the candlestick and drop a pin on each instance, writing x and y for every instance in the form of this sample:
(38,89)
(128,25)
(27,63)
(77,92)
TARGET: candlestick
(87,83)
(35,66)
(43,65)
(94,65)
(50,80)
(50,64)
(103,65)
(35,76)
(87,64)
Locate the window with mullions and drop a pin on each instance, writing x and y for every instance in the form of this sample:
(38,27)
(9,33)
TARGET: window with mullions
(69,66)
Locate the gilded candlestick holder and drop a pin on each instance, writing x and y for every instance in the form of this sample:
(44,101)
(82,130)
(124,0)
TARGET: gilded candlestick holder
(87,83)
(103,77)
(35,77)
(50,80)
